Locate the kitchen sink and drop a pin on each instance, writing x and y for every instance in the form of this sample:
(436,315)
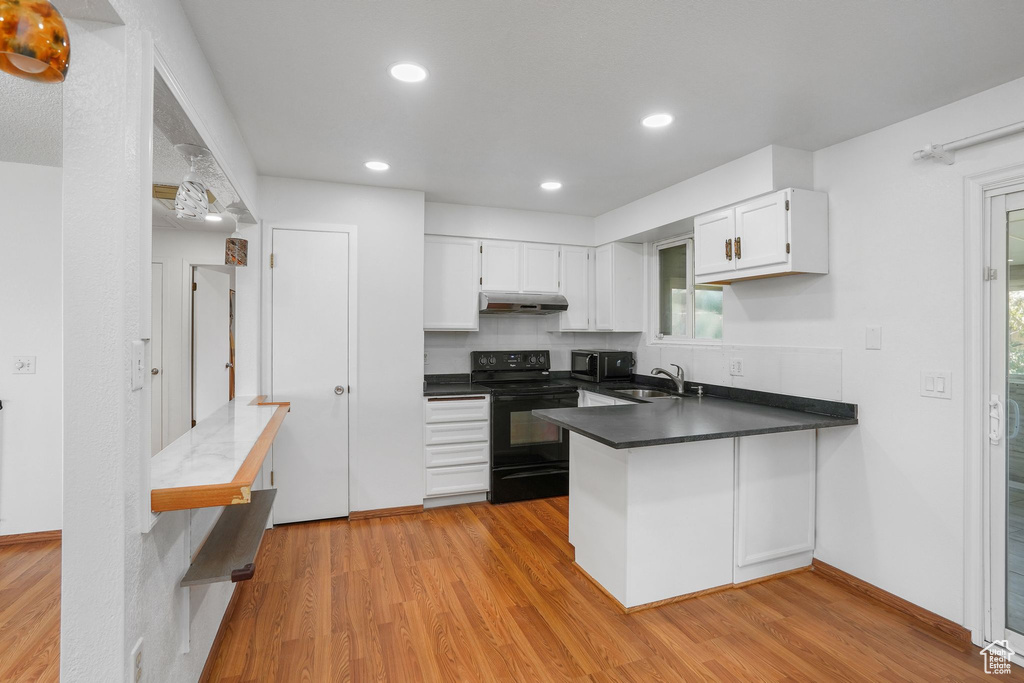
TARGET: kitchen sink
(646,393)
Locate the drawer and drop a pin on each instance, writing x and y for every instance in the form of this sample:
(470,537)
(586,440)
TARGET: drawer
(456,432)
(445,481)
(457,454)
(593,399)
(456,409)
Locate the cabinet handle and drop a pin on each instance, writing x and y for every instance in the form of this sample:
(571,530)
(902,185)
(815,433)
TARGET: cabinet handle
(739,249)
(728,250)
(456,398)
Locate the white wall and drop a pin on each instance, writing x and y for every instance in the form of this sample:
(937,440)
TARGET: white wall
(448,352)
(386,456)
(767,169)
(118,584)
(30,317)
(177,250)
(890,491)
(484,222)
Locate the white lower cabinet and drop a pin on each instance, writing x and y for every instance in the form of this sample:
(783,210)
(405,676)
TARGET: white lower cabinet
(589,399)
(774,501)
(456,445)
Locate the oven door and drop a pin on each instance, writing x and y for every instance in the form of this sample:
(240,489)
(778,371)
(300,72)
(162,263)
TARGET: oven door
(518,438)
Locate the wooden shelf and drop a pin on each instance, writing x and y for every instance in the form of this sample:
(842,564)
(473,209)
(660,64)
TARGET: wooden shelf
(216,462)
(229,553)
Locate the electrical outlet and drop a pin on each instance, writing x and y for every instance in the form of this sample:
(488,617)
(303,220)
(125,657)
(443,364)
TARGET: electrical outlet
(736,367)
(24,365)
(135,661)
(138,364)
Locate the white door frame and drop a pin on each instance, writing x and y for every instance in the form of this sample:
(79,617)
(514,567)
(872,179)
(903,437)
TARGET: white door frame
(267,331)
(979,189)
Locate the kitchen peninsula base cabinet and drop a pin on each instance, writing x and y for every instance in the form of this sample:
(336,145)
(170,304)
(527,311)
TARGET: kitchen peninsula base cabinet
(659,522)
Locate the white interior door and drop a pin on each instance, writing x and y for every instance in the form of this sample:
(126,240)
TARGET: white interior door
(156,347)
(310,281)
(1005,392)
(211,340)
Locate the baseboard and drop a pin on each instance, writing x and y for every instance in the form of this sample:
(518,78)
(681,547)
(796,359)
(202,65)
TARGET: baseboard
(950,631)
(357,515)
(34,537)
(686,596)
(217,639)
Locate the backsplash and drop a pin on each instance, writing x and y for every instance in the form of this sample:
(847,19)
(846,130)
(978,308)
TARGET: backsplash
(448,352)
(796,371)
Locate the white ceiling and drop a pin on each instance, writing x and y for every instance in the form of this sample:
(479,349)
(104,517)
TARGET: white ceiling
(525,91)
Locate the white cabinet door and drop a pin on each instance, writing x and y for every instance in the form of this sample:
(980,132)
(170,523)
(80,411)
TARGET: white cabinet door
(713,234)
(575,287)
(540,268)
(451,283)
(500,266)
(604,305)
(762,231)
(775,481)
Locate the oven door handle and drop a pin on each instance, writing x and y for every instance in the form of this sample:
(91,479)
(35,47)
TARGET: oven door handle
(537,473)
(535,397)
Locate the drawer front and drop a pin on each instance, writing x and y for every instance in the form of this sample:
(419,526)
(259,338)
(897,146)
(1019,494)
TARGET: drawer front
(456,432)
(593,399)
(446,481)
(460,409)
(460,454)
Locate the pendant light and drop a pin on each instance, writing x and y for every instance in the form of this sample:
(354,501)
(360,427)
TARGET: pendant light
(236,249)
(34,41)
(191,201)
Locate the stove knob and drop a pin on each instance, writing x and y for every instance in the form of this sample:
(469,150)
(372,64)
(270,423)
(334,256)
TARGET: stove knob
(483,360)
(492,360)
(533,359)
(541,359)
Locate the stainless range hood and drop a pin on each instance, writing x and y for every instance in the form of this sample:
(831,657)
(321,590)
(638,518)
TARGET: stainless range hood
(511,303)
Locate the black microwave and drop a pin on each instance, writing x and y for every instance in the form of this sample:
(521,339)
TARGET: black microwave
(602,365)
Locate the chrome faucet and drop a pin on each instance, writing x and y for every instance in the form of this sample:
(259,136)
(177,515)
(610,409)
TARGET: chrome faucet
(677,378)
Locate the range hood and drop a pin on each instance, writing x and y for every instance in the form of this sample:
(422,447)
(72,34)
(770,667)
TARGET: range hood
(512,303)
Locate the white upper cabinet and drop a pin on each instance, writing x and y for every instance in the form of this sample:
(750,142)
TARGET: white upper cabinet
(576,286)
(762,231)
(713,235)
(619,275)
(451,286)
(501,267)
(782,233)
(540,267)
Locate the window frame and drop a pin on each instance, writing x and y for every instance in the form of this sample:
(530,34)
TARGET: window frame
(654,296)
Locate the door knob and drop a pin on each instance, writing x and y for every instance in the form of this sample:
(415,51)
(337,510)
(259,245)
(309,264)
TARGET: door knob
(155,371)
(339,390)
(229,365)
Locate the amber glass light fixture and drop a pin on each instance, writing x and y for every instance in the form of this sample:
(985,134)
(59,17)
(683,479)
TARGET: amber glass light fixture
(236,250)
(33,41)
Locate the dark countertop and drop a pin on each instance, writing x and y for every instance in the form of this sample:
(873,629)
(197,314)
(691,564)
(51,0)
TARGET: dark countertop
(665,421)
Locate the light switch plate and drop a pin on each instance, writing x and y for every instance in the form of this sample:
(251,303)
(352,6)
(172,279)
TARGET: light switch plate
(936,384)
(736,367)
(138,364)
(873,337)
(24,365)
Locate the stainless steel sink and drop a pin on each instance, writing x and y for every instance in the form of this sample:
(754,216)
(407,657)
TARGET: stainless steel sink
(645,393)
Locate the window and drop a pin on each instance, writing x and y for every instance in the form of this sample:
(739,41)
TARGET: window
(682,310)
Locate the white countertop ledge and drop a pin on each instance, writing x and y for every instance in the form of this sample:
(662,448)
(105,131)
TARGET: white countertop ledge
(214,463)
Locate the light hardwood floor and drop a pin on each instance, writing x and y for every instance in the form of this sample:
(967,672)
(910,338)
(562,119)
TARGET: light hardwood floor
(489,593)
(30,612)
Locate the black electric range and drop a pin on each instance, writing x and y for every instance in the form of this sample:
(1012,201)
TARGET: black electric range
(529,456)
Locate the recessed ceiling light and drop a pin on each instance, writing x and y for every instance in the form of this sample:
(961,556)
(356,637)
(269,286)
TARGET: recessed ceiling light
(407,72)
(213,218)
(377,165)
(657,120)
(551,185)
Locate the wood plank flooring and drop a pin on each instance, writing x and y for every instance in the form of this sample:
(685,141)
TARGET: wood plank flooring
(489,593)
(30,612)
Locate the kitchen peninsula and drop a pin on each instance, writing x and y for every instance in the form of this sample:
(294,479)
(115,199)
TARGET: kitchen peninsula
(680,495)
